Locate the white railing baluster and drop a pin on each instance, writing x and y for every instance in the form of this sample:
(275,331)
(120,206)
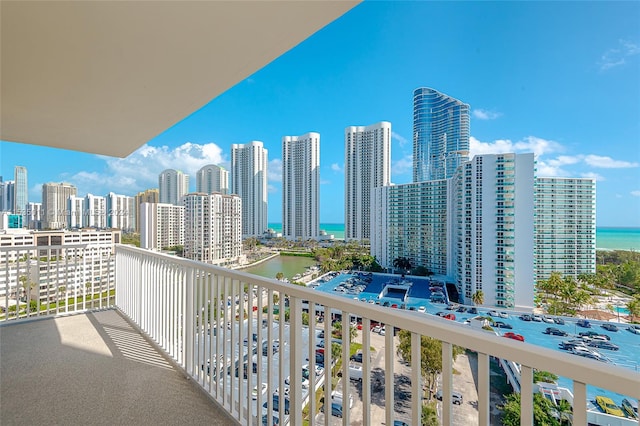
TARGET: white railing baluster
(579,403)
(346,354)
(389,381)
(295,365)
(526,395)
(447,383)
(366,370)
(416,386)
(328,364)
(483,390)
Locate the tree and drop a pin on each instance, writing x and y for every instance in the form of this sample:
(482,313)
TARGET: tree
(430,415)
(279,276)
(402,263)
(543,411)
(633,306)
(430,355)
(305,318)
(478,297)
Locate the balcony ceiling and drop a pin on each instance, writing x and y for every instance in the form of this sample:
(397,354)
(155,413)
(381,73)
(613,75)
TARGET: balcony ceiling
(106,77)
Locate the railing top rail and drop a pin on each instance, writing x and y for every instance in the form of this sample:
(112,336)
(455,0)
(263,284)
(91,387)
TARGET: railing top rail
(580,369)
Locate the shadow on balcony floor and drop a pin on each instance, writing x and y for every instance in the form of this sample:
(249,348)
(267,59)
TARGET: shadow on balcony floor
(93,369)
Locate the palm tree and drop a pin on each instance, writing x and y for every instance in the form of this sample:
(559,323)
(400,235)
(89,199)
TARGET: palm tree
(430,415)
(478,297)
(279,276)
(402,263)
(633,306)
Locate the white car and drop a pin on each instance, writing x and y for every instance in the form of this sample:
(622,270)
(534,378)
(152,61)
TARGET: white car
(337,398)
(305,369)
(456,397)
(376,329)
(305,383)
(382,331)
(255,390)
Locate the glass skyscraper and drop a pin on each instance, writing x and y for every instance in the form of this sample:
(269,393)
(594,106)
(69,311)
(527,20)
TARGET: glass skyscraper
(440,134)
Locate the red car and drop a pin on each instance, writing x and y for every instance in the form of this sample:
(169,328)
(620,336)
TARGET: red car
(513,336)
(450,317)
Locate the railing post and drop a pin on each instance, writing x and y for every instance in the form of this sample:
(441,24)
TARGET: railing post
(366,370)
(447,383)
(526,395)
(579,403)
(389,376)
(188,321)
(416,375)
(295,361)
(483,389)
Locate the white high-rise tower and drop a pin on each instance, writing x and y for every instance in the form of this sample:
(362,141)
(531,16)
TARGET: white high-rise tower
(300,186)
(249,181)
(367,165)
(212,178)
(54,204)
(173,185)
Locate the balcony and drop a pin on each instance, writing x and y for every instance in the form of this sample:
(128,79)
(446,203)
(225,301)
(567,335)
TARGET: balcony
(159,351)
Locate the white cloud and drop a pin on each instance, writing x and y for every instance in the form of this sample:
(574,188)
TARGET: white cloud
(401,139)
(617,56)
(636,193)
(533,144)
(274,170)
(336,167)
(402,166)
(483,114)
(597,177)
(140,169)
(608,162)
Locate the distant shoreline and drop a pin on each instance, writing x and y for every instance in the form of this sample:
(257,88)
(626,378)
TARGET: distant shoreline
(608,238)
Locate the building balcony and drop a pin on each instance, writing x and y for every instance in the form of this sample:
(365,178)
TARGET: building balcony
(160,344)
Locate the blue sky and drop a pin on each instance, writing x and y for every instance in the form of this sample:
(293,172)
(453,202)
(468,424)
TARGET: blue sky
(560,79)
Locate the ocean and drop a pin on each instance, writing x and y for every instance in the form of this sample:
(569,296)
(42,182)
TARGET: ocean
(607,238)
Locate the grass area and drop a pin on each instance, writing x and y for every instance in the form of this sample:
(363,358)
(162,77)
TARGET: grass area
(296,253)
(60,303)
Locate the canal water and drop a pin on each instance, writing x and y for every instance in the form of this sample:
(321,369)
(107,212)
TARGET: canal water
(288,265)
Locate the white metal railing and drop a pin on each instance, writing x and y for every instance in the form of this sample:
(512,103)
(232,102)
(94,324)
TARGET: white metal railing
(201,314)
(53,280)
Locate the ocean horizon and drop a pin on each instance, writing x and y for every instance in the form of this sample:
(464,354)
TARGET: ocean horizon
(607,237)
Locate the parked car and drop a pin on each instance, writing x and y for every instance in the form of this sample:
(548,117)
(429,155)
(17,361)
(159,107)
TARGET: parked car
(357,357)
(607,405)
(630,406)
(502,324)
(583,323)
(492,313)
(513,336)
(276,404)
(461,309)
(525,317)
(337,398)
(503,314)
(456,397)
(603,344)
(558,320)
(473,311)
(336,409)
(635,329)
(555,331)
(609,327)
(592,334)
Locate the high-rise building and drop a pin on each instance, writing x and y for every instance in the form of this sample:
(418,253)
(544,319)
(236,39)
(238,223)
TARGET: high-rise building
(75,210)
(300,186)
(7,194)
(367,165)
(492,238)
(54,204)
(147,196)
(565,226)
(21,190)
(95,211)
(161,226)
(34,215)
(121,212)
(213,228)
(249,182)
(410,221)
(173,185)
(440,134)
(212,178)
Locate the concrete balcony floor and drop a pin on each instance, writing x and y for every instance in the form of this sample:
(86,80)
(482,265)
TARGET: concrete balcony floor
(94,368)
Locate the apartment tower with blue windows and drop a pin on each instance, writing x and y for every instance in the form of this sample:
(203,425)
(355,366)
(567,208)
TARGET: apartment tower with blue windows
(440,135)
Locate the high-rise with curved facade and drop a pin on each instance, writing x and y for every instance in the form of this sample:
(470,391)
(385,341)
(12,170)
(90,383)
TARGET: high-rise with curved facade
(440,134)
(173,185)
(212,178)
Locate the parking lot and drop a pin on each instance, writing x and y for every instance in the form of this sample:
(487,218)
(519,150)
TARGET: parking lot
(463,382)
